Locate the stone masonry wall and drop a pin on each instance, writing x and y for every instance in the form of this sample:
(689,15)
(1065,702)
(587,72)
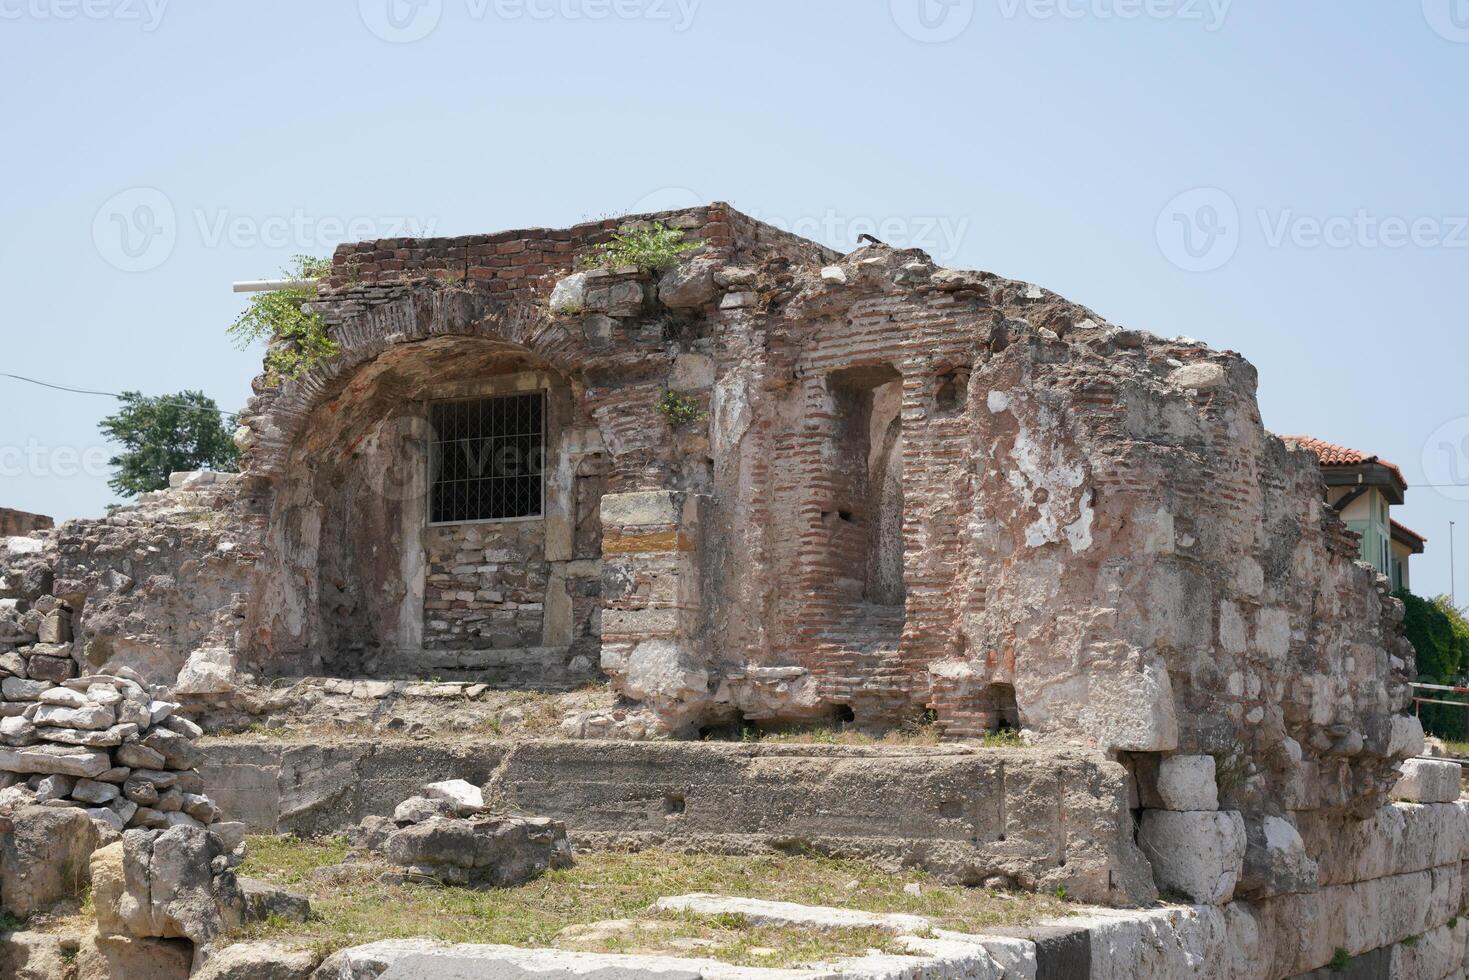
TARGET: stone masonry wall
(1086,530)
(486,585)
(18,522)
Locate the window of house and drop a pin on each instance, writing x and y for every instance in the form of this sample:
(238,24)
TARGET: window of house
(486,460)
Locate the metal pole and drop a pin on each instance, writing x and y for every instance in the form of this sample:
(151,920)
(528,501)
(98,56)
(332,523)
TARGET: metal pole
(1453,595)
(271,285)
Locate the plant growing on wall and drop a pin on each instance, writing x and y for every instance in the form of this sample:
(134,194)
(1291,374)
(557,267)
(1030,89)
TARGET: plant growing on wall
(679,409)
(166,435)
(297,338)
(654,249)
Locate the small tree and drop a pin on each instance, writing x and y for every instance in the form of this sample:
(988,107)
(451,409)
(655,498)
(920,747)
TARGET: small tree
(164,435)
(297,338)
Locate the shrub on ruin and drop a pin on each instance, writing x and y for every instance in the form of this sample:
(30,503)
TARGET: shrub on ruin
(296,336)
(678,409)
(654,249)
(164,435)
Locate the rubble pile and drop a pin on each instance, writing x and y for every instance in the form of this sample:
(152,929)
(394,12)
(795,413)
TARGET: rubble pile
(447,835)
(107,743)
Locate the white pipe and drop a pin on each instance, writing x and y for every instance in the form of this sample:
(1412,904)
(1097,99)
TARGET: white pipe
(271,285)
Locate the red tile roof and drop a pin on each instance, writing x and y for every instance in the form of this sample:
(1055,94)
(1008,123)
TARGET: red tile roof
(1404,531)
(1330,454)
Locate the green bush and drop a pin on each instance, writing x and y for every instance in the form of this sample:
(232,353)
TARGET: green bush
(654,249)
(679,409)
(1440,634)
(297,338)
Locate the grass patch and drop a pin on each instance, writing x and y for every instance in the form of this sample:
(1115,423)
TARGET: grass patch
(616,886)
(1456,749)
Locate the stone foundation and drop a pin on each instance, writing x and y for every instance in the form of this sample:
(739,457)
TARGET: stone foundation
(1038,820)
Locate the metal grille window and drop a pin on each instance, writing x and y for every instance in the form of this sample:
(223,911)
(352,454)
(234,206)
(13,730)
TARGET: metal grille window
(487,458)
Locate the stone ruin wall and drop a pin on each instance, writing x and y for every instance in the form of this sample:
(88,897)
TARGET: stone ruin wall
(14,523)
(912,490)
(1095,535)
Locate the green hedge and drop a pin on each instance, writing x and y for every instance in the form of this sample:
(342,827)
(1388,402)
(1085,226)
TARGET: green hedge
(1440,634)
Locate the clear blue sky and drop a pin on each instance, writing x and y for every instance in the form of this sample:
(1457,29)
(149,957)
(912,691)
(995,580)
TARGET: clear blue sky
(1043,139)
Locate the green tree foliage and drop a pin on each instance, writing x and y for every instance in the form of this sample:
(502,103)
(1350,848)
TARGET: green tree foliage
(1440,634)
(297,338)
(164,435)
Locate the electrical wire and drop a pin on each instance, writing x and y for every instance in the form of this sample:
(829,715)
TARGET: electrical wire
(162,400)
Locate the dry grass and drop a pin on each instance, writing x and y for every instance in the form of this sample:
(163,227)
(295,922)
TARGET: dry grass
(618,886)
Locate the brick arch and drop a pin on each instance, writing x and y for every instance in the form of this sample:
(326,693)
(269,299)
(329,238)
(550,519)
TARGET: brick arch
(278,418)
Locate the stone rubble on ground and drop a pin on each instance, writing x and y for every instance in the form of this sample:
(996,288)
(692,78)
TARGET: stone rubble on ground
(107,743)
(447,835)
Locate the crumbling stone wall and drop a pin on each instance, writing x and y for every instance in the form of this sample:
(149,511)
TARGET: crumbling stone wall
(912,490)
(157,587)
(18,522)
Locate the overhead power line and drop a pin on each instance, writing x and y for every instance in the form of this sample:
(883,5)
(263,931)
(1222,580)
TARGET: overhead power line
(163,400)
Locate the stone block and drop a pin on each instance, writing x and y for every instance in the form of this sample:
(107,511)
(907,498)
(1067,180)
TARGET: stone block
(44,856)
(1198,855)
(1186,782)
(642,509)
(259,961)
(1429,781)
(62,760)
(35,955)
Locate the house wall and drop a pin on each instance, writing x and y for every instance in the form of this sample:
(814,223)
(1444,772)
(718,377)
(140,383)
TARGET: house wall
(1402,557)
(1368,517)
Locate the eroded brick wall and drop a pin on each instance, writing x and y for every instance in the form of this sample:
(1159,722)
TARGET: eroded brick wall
(1096,537)
(18,522)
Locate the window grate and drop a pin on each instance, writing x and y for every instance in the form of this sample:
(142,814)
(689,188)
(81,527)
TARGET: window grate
(487,458)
